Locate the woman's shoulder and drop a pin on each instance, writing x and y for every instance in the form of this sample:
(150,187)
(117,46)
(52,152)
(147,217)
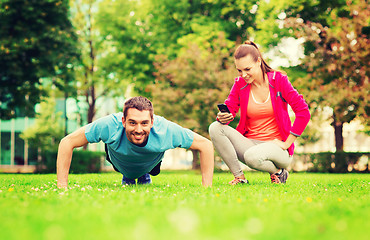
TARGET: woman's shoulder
(277,78)
(276,75)
(239,79)
(240,82)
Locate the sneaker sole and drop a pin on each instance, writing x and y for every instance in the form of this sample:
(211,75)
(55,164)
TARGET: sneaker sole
(287,175)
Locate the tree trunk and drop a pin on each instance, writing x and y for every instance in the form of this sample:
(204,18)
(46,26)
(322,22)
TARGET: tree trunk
(196,164)
(338,132)
(91,91)
(65,113)
(91,101)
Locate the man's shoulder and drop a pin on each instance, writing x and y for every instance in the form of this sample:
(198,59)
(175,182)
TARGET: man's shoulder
(161,123)
(167,134)
(111,120)
(104,129)
(116,116)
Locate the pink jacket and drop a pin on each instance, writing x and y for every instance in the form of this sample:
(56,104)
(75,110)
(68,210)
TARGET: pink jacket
(282,93)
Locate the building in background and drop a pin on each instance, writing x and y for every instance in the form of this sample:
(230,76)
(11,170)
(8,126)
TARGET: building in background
(16,155)
(14,151)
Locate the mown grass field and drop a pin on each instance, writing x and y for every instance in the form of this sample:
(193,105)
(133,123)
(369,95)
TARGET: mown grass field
(175,206)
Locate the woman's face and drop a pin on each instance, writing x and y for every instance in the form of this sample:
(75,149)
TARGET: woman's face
(249,69)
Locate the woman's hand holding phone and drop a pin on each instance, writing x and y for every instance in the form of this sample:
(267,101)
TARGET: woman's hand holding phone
(224,116)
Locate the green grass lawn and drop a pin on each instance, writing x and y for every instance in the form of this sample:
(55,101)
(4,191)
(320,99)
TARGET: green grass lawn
(175,206)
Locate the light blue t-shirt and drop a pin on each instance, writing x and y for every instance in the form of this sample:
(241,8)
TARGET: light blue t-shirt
(131,160)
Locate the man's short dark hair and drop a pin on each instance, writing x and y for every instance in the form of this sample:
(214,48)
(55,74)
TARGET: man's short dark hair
(140,103)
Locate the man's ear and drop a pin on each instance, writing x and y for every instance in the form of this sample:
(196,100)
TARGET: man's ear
(123,121)
(152,122)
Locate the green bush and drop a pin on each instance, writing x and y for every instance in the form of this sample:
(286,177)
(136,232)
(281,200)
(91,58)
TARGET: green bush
(82,162)
(338,162)
(86,162)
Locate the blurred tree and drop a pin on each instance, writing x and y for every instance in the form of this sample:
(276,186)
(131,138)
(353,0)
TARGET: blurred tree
(130,55)
(271,14)
(140,30)
(36,41)
(47,131)
(170,20)
(338,65)
(188,88)
(98,73)
(277,20)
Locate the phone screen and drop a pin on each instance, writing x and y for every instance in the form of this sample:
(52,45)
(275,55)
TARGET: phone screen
(223,108)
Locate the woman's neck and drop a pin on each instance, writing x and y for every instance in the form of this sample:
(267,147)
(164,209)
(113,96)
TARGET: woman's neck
(261,82)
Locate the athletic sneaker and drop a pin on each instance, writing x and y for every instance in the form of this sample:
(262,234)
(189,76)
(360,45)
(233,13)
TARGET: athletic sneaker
(280,177)
(238,181)
(145,179)
(274,178)
(283,176)
(127,181)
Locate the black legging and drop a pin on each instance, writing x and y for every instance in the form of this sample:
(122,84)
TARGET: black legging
(154,172)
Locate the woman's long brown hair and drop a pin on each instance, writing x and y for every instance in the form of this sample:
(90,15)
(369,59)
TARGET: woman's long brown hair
(250,48)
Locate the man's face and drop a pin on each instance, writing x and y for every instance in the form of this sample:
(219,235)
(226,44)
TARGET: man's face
(137,125)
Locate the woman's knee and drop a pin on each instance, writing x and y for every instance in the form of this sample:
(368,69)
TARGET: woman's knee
(214,128)
(260,154)
(252,163)
(252,158)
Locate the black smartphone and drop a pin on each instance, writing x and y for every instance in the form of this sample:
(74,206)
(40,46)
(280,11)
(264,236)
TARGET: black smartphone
(223,108)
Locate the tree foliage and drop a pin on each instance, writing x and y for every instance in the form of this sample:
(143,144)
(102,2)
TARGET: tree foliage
(170,20)
(271,15)
(179,52)
(188,88)
(36,41)
(130,52)
(89,74)
(115,53)
(338,67)
(140,30)
(47,130)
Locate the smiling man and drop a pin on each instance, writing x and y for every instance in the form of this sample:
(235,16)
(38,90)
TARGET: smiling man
(135,142)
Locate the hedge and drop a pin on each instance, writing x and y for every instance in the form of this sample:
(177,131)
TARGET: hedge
(337,162)
(82,162)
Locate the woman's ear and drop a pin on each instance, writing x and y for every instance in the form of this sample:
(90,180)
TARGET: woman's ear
(259,60)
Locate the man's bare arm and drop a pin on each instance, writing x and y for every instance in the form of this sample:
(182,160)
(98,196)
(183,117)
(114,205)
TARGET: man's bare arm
(65,150)
(205,147)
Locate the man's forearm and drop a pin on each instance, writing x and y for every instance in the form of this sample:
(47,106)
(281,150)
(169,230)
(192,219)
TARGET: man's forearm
(63,163)
(207,164)
(65,150)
